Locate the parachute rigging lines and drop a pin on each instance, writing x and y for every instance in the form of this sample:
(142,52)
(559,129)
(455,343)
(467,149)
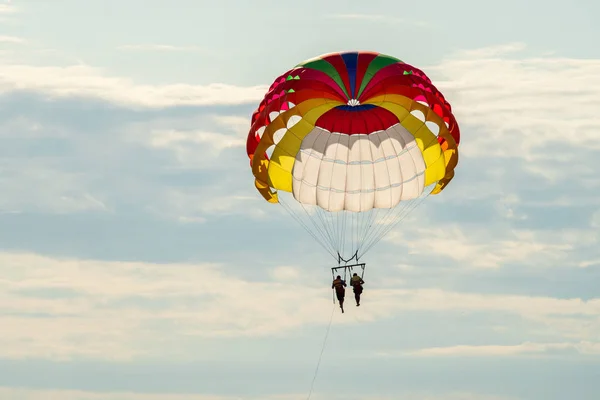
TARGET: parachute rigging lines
(345,234)
(349,144)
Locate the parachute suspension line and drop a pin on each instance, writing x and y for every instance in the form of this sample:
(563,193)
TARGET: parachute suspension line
(408,210)
(346,233)
(359,216)
(330,220)
(286,207)
(372,218)
(342,221)
(322,229)
(327,221)
(289,211)
(355,231)
(315,219)
(411,208)
(326,225)
(390,220)
(319,229)
(413,205)
(340,259)
(369,233)
(361,223)
(388,215)
(352,230)
(341,217)
(312,385)
(344,225)
(310,154)
(324,232)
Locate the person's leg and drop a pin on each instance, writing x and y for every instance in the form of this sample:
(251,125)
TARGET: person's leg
(340,299)
(357,298)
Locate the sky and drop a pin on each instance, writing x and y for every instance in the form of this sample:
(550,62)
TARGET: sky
(138,262)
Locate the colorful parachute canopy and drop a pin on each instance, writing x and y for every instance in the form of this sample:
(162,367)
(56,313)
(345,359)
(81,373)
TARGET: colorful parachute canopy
(352,133)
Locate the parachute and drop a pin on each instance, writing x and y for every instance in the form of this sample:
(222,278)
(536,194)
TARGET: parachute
(349,144)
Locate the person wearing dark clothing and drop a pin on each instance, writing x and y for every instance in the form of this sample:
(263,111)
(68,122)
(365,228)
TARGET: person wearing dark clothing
(357,283)
(339,285)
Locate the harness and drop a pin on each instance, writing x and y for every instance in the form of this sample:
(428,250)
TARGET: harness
(339,287)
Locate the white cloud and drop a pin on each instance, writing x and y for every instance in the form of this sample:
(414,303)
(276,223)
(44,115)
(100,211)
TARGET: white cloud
(494,51)
(85,81)
(159,47)
(482,247)
(41,394)
(66,178)
(7,9)
(486,89)
(595,220)
(529,108)
(44,188)
(364,17)
(61,308)
(528,348)
(286,274)
(48,394)
(590,263)
(239,125)
(378,18)
(105,306)
(195,205)
(186,142)
(188,137)
(526,306)
(11,39)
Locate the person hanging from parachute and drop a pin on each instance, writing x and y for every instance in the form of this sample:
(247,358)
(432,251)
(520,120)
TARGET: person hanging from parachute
(357,282)
(349,143)
(339,285)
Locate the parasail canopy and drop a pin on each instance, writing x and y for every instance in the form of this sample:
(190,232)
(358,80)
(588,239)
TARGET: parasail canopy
(349,143)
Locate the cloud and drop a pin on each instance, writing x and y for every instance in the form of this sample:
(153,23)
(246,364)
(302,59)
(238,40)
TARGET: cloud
(7,9)
(39,188)
(493,51)
(159,47)
(526,349)
(65,308)
(150,143)
(379,18)
(482,247)
(595,220)
(197,205)
(107,309)
(40,394)
(286,274)
(88,82)
(590,263)
(527,306)
(11,39)
(239,125)
(542,110)
(55,159)
(187,143)
(47,394)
